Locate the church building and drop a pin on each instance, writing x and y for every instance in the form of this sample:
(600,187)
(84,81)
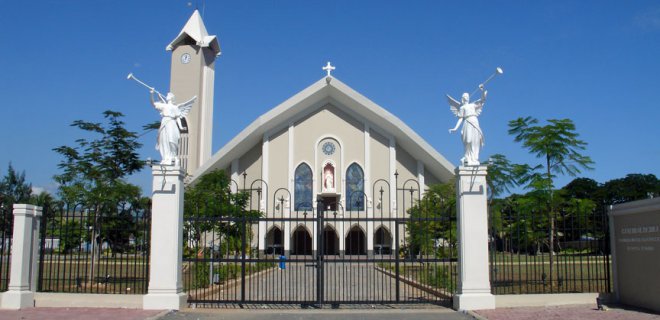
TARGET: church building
(326,149)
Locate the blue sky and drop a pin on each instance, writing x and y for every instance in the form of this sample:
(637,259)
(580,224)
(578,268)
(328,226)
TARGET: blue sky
(596,62)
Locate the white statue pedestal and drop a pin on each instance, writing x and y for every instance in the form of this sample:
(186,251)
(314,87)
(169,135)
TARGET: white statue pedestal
(473,292)
(165,279)
(24,258)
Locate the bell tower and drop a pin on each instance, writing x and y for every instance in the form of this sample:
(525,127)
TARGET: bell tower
(192,74)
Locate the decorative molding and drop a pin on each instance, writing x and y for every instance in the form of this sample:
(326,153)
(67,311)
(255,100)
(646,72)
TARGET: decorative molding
(292,170)
(393,185)
(265,164)
(367,170)
(420,177)
(235,175)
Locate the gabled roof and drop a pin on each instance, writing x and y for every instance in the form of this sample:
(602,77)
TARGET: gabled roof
(196,30)
(330,90)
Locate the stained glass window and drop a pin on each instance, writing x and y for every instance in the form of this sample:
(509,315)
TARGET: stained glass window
(354,188)
(303,188)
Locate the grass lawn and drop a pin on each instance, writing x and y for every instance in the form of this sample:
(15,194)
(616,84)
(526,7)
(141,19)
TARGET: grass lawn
(521,274)
(122,274)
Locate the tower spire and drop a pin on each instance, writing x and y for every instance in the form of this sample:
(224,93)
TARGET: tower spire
(195,30)
(194,52)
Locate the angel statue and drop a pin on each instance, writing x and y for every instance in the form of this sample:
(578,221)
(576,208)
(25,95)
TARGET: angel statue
(168,133)
(473,138)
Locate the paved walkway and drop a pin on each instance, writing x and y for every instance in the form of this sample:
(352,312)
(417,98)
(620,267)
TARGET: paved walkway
(343,283)
(362,314)
(79,314)
(578,312)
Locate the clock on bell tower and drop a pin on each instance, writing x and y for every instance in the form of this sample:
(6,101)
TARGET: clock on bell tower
(192,74)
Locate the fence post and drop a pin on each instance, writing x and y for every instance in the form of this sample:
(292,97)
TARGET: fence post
(473,291)
(165,274)
(22,280)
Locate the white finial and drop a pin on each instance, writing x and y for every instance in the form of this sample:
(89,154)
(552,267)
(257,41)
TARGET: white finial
(328,68)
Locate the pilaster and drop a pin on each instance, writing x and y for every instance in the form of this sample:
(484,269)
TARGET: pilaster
(24,258)
(165,290)
(472,211)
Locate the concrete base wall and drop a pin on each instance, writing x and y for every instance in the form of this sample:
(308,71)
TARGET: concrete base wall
(544,300)
(17,300)
(82,300)
(76,300)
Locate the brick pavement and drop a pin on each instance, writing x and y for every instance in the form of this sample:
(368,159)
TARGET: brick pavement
(79,314)
(577,312)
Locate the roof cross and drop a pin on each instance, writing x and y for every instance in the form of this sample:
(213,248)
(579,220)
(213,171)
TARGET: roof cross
(329,68)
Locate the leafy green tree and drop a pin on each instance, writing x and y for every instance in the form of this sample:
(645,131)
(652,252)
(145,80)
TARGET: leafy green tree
(582,188)
(560,148)
(632,187)
(216,209)
(71,234)
(501,175)
(13,189)
(94,171)
(431,228)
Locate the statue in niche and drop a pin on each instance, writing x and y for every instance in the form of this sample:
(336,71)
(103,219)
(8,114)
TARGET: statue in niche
(168,133)
(467,113)
(328,178)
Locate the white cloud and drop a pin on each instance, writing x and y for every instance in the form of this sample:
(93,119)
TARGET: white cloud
(649,20)
(38,190)
(50,188)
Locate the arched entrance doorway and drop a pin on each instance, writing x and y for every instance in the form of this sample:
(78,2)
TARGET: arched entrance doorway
(302,241)
(382,241)
(355,242)
(274,241)
(330,241)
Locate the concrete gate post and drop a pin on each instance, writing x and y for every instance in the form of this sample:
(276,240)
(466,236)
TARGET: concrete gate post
(472,212)
(24,258)
(165,275)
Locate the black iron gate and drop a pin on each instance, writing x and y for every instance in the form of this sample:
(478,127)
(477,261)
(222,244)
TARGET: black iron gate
(367,253)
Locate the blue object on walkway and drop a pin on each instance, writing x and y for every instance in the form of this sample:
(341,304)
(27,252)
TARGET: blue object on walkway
(282,262)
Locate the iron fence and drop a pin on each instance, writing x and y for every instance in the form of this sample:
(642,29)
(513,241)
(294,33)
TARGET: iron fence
(86,250)
(521,261)
(6,231)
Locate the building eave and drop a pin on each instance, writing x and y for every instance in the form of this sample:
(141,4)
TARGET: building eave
(329,87)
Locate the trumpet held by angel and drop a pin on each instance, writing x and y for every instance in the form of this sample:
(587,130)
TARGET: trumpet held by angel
(471,134)
(168,133)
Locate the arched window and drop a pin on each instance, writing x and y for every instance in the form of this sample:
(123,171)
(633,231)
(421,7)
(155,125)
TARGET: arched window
(303,188)
(354,187)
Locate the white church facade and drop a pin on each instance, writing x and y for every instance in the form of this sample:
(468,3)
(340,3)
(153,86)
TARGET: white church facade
(327,147)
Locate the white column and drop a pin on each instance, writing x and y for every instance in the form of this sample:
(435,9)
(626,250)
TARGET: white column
(265,194)
(235,175)
(473,279)
(165,280)
(393,185)
(420,177)
(368,206)
(24,258)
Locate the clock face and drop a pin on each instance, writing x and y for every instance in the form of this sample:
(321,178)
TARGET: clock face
(185,58)
(328,148)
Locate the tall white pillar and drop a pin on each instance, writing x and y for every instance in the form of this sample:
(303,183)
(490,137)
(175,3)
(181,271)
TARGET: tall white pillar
(472,210)
(165,279)
(24,258)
